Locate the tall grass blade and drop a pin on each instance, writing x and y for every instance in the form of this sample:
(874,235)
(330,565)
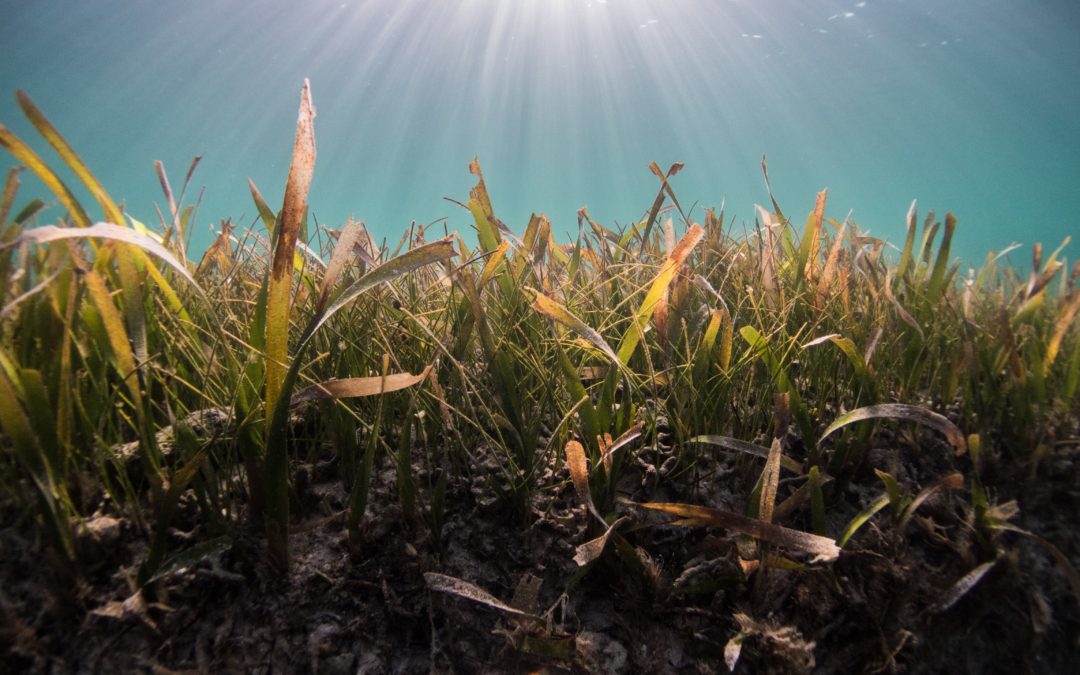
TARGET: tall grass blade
(26,156)
(7,197)
(1064,321)
(659,286)
(831,263)
(279,289)
(70,158)
(909,243)
(941,264)
(806,262)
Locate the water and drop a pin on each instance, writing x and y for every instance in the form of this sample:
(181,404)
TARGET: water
(967,105)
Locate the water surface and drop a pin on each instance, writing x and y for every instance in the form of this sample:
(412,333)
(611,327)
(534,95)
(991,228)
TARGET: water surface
(966,105)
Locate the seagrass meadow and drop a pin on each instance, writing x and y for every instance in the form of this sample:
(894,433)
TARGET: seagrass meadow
(692,443)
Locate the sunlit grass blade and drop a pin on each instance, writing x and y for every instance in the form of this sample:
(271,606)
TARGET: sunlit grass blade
(854,357)
(768,257)
(22,152)
(831,263)
(409,261)
(126,266)
(806,262)
(480,206)
(1069,307)
(492,267)
(659,286)
(50,233)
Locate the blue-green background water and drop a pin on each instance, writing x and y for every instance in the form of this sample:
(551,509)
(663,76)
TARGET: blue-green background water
(967,105)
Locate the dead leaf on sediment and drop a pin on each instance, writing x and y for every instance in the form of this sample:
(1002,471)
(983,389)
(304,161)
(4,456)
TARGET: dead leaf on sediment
(822,548)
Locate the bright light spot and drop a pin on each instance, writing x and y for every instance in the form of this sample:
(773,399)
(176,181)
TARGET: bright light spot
(848,15)
(860,4)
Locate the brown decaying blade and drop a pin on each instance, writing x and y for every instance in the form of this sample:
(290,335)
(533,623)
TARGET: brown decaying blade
(822,548)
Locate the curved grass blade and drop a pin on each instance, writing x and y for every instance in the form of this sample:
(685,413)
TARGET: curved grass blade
(26,156)
(745,447)
(461,588)
(50,233)
(355,387)
(953,481)
(847,346)
(1059,557)
(70,158)
(276,465)
(343,250)
(905,316)
(822,548)
(962,586)
(414,259)
(592,549)
(861,519)
(554,310)
(905,412)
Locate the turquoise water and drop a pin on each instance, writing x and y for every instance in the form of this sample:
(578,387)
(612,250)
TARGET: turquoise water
(966,105)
